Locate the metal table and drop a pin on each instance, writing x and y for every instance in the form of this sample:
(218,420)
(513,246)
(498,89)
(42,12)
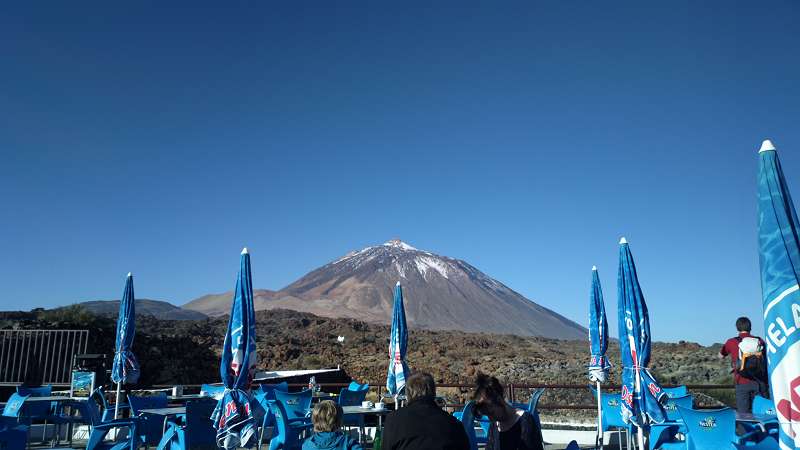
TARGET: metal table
(359,411)
(170,411)
(166,412)
(185,397)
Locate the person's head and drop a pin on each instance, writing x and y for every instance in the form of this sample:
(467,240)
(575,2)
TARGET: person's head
(326,417)
(488,397)
(420,386)
(743,324)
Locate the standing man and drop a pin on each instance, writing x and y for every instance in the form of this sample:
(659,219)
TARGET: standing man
(749,365)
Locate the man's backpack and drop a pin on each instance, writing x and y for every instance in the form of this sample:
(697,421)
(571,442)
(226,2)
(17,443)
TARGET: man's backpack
(750,363)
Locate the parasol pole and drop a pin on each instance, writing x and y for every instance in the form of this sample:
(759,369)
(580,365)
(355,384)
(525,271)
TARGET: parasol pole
(599,417)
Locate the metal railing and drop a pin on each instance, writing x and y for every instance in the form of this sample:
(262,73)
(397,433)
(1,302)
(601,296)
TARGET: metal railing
(511,391)
(41,356)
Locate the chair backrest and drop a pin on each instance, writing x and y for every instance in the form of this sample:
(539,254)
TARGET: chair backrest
(284,438)
(269,389)
(468,420)
(90,409)
(147,402)
(351,398)
(38,409)
(672,403)
(612,417)
(709,429)
(14,405)
(536,394)
(39,391)
(199,426)
(677,391)
(297,404)
(763,406)
(355,386)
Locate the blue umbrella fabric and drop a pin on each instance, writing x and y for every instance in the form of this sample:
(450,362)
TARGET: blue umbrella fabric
(125,368)
(598,332)
(641,394)
(398,343)
(779,256)
(233,417)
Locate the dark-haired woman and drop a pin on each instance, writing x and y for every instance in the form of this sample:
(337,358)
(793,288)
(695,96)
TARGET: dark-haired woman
(511,429)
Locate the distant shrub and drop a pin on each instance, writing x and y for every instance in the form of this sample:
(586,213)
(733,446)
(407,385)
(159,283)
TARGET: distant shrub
(75,315)
(310,362)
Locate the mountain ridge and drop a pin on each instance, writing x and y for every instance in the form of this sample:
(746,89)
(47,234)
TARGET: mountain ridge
(157,308)
(440,292)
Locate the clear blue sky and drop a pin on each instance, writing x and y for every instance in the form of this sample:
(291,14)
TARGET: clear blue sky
(524,139)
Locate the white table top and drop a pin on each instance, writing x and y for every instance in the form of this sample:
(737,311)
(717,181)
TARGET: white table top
(354,410)
(165,411)
(56,398)
(186,397)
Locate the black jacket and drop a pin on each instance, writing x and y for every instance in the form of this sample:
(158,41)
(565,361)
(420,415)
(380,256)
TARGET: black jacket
(422,425)
(530,431)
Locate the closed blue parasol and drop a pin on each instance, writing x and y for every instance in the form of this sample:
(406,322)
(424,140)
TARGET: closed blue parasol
(126,368)
(779,255)
(398,342)
(641,394)
(232,417)
(598,344)
(598,332)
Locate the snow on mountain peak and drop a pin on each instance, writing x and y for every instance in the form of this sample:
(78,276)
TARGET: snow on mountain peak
(397,243)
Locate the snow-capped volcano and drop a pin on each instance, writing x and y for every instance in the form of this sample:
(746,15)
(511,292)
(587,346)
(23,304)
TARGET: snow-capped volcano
(440,293)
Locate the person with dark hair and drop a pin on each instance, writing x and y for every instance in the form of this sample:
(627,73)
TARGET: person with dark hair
(512,429)
(422,424)
(748,364)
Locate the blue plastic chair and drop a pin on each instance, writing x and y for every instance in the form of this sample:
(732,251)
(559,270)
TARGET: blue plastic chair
(264,414)
(38,410)
(356,386)
(46,412)
(667,435)
(288,435)
(194,431)
(716,430)
(468,420)
(13,432)
(150,427)
(297,404)
(270,389)
(109,409)
(92,415)
(14,406)
(677,391)
(765,409)
(533,403)
(13,436)
(348,397)
(210,390)
(612,418)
